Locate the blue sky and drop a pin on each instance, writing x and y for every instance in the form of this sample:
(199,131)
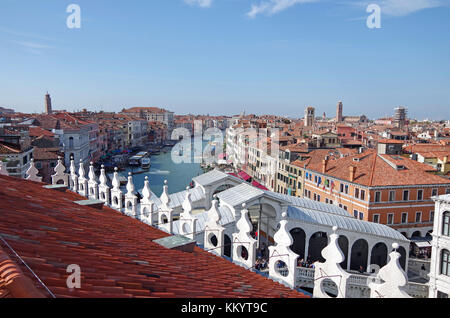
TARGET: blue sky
(222,56)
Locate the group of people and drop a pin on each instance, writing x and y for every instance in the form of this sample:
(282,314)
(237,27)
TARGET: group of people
(305,264)
(261,263)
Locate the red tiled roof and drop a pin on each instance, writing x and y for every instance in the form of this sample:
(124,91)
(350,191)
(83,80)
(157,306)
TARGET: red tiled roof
(373,170)
(116,253)
(38,131)
(7,148)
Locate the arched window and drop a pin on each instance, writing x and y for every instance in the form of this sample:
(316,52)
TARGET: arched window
(445,263)
(446,225)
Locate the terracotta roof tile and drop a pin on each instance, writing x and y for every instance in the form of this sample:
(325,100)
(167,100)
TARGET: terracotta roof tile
(50,232)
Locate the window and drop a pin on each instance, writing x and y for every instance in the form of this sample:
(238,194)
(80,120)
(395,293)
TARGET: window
(418,217)
(391,196)
(346,189)
(390,218)
(361,215)
(445,263)
(447,191)
(318,198)
(405,195)
(378,196)
(446,225)
(342,188)
(431,216)
(376,218)
(355,214)
(356,193)
(419,195)
(345,208)
(404,217)
(434,192)
(363,195)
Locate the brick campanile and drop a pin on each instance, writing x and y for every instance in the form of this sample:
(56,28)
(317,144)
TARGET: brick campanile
(339,110)
(48,104)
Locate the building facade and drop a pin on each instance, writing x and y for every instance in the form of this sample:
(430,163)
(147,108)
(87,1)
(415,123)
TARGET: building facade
(440,256)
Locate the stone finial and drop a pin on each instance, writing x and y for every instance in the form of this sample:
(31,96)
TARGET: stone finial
(92,176)
(60,173)
(394,277)
(146,191)
(165,199)
(130,184)
(213,214)
(60,169)
(73,169)
(242,239)
(116,181)
(282,237)
(103,179)
(81,171)
(187,203)
(333,258)
(32,173)
(244,225)
(3,170)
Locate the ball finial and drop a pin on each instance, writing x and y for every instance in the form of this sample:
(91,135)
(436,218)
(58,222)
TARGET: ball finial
(92,163)
(187,188)
(165,182)
(146,178)
(335,228)
(103,166)
(130,174)
(284,215)
(395,246)
(116,169)
(244,205)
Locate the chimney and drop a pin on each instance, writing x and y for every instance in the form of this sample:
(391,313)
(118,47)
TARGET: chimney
(324,164)
(352,170)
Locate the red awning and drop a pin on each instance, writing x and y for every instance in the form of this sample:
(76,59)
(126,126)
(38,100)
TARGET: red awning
(244,175)
(259,185)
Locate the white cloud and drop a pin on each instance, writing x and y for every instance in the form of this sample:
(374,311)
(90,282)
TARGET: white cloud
(200,3)
(405,7)
(400,8)
(271,7)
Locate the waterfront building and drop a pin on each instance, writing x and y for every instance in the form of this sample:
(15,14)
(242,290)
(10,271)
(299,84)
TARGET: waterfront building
(16,151)
(440,258)
(380,188)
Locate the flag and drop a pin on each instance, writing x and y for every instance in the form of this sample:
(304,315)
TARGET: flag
(332,187)
(319,181)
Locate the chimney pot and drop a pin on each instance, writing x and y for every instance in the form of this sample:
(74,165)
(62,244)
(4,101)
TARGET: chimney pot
(352,170)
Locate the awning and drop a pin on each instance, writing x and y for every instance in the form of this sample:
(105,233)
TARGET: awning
(422,244)
(244,175)
(259,185)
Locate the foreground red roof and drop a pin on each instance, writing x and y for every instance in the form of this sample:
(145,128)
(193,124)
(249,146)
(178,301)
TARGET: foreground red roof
(116,253)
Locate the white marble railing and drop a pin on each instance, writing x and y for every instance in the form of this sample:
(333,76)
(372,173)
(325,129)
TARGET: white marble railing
(359,281)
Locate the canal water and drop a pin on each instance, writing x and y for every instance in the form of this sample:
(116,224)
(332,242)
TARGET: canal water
(178,176)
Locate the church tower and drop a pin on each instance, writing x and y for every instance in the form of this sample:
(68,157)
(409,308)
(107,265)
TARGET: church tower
(339,110)
(48,104)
